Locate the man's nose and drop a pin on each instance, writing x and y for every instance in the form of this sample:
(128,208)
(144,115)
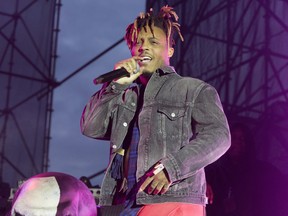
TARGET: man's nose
(144,46)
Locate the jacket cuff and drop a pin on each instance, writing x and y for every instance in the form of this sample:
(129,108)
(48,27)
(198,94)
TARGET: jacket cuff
(115,87)
(171,167)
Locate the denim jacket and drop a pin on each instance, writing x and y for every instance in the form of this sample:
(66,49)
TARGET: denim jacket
(182,125)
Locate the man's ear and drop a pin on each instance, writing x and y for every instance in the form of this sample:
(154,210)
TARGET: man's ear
(170,52)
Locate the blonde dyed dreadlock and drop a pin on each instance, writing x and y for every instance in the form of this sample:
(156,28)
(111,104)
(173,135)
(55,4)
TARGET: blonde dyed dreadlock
(166,19)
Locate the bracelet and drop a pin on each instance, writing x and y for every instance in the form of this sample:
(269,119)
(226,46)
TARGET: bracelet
(158,168)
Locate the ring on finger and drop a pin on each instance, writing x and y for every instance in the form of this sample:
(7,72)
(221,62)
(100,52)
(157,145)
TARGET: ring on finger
(136,70)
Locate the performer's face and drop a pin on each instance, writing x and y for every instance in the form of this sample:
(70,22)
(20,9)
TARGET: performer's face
(153,49)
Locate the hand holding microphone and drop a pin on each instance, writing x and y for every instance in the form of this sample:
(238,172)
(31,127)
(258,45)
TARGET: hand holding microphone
(125,72)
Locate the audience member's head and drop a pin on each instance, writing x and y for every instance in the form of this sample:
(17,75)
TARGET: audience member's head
(53,193)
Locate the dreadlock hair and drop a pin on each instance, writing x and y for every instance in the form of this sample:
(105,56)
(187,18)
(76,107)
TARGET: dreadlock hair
(166,19)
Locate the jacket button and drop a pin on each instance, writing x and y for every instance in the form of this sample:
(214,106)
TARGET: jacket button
(125,124)
(114,146)
(133,104)
(173,115)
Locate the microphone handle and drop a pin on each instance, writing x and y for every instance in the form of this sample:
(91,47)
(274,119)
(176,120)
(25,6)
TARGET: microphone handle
(110,76)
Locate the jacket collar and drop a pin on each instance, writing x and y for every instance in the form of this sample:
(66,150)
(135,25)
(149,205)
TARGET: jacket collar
(165,70)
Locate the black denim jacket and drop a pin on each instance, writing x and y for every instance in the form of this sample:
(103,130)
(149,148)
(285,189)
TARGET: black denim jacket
(182,124)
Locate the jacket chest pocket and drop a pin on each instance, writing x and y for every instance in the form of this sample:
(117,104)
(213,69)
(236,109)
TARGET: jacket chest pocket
(170,124)
(172,113)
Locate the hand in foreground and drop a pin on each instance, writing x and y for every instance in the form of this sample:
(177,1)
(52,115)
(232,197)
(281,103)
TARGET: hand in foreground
(132,67)
(155,184)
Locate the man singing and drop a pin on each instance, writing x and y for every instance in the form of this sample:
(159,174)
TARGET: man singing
(163,128)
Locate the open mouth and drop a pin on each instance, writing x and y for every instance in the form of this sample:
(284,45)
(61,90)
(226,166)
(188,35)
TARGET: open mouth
(145,59)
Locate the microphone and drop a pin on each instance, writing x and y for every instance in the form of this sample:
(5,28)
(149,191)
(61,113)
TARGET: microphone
(118,73)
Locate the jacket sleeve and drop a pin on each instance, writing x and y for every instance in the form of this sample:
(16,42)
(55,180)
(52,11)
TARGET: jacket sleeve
(96,117)
(210,141)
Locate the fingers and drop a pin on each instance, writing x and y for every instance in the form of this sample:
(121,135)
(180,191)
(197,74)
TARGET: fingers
(130,65)
(164,189)
(157,184)
(153,186)
(146,183)
(159,189)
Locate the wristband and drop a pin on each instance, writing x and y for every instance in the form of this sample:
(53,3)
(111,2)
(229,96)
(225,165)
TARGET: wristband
(158,168)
